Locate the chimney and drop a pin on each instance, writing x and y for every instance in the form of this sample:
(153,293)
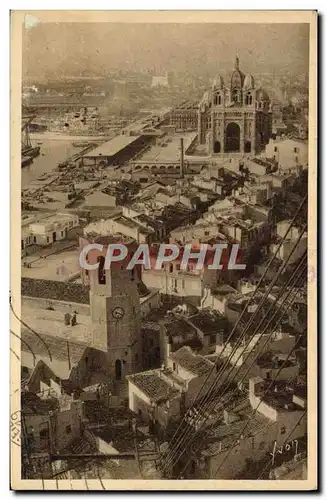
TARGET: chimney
(168,350)
(182,158)
(256,386)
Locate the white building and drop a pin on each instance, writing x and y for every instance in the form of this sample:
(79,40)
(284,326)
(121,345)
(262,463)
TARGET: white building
(47,229)
(288,244)
(272,422)
(162,395)
(289,153)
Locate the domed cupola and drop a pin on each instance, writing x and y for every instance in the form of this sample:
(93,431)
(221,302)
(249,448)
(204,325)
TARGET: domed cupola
(262,95)
(248,82)
(262,99)
(237,78)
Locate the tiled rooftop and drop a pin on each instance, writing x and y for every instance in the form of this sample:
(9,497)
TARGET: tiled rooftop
(209,321)
(152,222)
(58,347)
(56,290)
(32,404)
(194,363)
(223,290)
(96,411)
(179,327)
(153,386)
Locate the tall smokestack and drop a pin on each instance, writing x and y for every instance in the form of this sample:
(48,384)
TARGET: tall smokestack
(182,158)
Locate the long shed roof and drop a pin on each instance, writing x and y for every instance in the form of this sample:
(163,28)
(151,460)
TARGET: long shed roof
(112,147)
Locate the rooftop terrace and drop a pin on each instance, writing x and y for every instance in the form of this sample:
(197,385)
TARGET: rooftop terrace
(61,266)
(51,323)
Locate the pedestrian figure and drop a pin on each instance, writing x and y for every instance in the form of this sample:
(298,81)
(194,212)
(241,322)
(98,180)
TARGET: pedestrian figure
(67,319)
(73,320)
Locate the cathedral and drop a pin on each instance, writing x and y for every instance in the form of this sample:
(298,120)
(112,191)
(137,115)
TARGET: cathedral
(234,119)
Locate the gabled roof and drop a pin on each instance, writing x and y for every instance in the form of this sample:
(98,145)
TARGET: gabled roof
(194,363)
(153,386)
(112,147)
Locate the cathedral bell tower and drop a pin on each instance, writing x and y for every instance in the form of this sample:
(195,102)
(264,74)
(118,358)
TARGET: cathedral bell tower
(115,311)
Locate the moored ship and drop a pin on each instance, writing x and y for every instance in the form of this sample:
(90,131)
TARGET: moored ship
(81,144)
(28,150)
(27,160)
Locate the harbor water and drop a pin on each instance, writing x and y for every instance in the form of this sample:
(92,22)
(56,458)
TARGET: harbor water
(53,151)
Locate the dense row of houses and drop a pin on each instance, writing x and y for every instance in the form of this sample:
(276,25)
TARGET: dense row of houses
(132,348)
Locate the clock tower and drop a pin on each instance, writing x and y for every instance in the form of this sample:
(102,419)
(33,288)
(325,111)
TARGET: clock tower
(115,311)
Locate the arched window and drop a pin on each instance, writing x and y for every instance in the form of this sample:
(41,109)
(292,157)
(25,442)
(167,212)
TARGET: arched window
(250,99)
(215,100)
(101,271)
(118,369)
(219,99)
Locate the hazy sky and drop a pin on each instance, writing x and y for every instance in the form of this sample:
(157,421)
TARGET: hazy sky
(71,48)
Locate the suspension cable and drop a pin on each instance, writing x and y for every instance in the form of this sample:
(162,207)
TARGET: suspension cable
(246,306)
(262,348)
(215,403)
(208,394)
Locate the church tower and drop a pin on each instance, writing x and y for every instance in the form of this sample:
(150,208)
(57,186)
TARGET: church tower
(115,312)
(234,119)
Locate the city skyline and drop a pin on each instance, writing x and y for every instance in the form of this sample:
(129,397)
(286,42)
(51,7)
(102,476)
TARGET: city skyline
(194,49)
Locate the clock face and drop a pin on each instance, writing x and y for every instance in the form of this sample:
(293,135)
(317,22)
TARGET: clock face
(118,312)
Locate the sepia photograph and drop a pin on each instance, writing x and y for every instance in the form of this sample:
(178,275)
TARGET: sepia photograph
(163,297)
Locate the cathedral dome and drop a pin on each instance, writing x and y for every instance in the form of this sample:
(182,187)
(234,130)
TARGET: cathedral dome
(237,78)
(262,95)
(248,82)
(218,83)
